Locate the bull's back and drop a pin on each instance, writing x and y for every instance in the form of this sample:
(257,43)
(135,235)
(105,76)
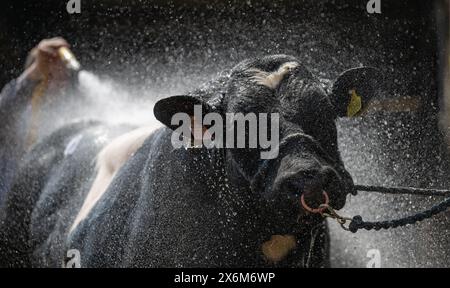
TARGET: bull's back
(47,192)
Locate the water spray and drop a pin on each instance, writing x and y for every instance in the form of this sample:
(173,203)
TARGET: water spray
(69,59)
(72,64)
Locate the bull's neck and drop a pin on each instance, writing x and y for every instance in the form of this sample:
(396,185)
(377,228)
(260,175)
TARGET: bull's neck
(212,168)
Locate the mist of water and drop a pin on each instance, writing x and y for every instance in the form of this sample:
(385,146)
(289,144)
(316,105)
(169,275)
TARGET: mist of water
(114,103)
(386,151)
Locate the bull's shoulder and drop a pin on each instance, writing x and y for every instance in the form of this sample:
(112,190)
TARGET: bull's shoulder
(119,150)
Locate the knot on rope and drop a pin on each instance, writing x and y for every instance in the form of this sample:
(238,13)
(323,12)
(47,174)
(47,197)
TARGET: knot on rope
(356,223)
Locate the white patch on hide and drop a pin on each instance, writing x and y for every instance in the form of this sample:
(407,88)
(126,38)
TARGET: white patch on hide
(272,79)
(109,161)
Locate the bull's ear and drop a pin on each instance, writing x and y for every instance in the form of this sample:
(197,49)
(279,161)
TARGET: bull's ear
(166,108)
(353,90)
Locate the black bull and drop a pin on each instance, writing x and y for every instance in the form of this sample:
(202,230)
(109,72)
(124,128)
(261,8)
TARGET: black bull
(171,207)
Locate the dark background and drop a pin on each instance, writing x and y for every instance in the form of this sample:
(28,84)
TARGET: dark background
(153,40)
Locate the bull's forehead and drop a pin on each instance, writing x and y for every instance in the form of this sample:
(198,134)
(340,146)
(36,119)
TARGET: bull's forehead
(272,79)
(267,63)
(255,86)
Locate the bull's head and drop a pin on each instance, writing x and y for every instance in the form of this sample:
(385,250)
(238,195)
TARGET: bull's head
(308,161)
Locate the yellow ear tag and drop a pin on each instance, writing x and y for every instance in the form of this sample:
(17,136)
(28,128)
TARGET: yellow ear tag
(355,104)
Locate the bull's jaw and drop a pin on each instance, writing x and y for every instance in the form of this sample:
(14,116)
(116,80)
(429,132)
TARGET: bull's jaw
(278,247)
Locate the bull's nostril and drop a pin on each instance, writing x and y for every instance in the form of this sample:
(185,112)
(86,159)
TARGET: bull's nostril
(296,188)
